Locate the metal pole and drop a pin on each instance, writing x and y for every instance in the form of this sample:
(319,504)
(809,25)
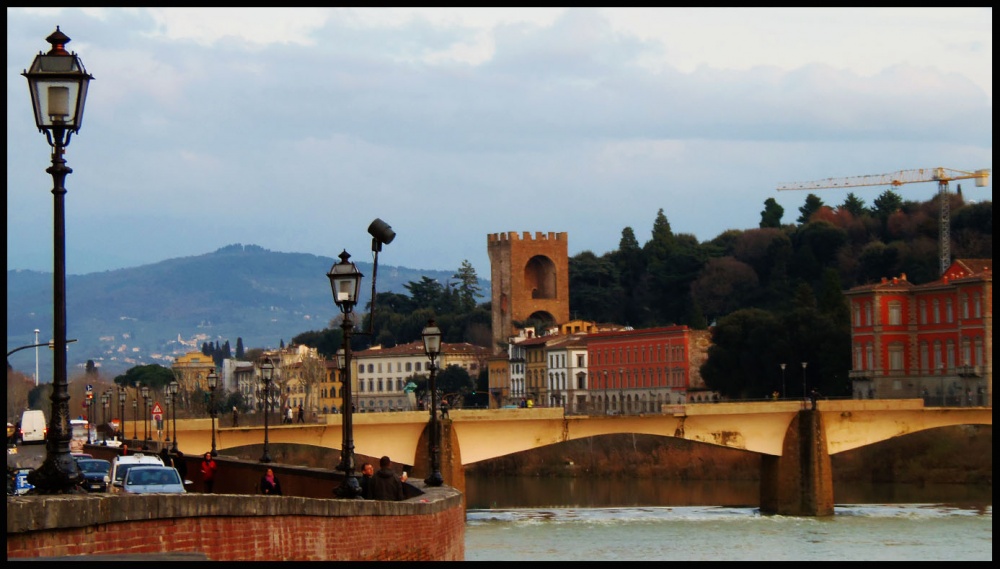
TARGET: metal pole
(36,356)
(212,413)
(135,418)
(435,479)
(350,488)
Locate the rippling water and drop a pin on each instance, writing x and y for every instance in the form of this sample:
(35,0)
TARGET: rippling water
(862,532)
(585,519)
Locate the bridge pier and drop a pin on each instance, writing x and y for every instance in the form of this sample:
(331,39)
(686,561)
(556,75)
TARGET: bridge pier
(451,457)
(800,481)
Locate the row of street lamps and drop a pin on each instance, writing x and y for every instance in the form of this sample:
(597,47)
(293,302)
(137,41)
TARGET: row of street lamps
(58,83)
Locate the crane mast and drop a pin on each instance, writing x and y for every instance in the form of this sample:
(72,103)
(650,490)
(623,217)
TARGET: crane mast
(940,175)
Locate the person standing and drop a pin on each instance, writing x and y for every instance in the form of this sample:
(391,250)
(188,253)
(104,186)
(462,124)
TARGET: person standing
(386,485)
(367,471)
(269,484)
(236,416)
(208,468)
(288,414)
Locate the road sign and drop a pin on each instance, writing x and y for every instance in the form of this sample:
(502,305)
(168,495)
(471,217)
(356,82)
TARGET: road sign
(157,411)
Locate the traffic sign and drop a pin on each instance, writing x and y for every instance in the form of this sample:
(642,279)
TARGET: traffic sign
(157,411)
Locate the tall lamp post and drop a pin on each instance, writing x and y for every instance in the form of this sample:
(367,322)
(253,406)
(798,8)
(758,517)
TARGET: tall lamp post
(90,412)
(213,382)
(149,422)
(266,373)
(174,388)
(104,418)
(170,405)
(135,417)
(58,84)
(431,335)
(145,418)
(783,392)
(36,356)
(805,395)
(121,410)
(345,281)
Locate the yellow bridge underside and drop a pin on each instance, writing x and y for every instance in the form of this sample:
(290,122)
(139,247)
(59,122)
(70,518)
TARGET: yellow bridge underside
(483,434)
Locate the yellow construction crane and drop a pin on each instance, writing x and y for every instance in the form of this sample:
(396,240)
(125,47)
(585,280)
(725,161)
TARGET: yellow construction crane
(940,175)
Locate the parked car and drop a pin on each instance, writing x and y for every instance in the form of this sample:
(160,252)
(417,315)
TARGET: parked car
(121,464)
(96,474)
(153,480)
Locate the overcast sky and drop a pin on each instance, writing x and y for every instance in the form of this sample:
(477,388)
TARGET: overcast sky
(294,128)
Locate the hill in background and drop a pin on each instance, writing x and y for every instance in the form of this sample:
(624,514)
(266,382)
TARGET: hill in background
(152,313)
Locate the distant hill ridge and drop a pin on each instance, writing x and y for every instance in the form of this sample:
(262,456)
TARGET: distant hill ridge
(151,313)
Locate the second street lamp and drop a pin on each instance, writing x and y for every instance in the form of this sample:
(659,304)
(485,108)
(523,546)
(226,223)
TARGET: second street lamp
(431,335)
(121,410)
(174,388)
(345,281)
(213,382)
(104,418)
(266,371)
(144,390)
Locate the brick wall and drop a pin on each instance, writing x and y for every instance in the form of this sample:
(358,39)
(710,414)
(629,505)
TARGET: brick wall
(232,527)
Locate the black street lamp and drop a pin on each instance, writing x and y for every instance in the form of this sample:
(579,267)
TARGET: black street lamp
(145,416)
(174,388)
(345,281)
(135,418)
(783,392)
(90,412)
(121,410)
(105,397)
(58,84)
(805,394)
(170,404)
(149,421)
(213,382)
(266,373)
(432,347)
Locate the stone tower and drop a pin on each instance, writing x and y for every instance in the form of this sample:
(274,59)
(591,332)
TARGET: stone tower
(529,278)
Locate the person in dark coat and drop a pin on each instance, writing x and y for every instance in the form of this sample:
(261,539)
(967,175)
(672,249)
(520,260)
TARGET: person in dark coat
(269,484)
(367,472)
(385,484)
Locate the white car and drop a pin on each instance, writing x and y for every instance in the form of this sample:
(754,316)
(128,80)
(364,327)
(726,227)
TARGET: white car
(121,464)
(153,480)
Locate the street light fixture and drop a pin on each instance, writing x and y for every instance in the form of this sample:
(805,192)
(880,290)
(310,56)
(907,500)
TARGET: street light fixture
(266,371)
(104,418)
(149,421)
(805,395)
(89,402)
(58,84)
(144,390)
(213,382)
(135,418)
(121,409)
(431,335)
(170,405)
(174,389)
(783,392)
(345,281)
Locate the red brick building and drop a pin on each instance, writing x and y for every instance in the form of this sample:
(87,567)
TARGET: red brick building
(933,340)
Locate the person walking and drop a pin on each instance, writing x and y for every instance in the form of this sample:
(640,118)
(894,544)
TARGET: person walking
(302,414)
(386,485)
(208,468)
(288,415)
(236,416)
(269,484)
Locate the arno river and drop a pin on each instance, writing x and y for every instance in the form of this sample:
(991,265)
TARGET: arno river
(581,519)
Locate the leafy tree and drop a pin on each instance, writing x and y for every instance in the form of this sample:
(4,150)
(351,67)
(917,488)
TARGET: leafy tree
(594,288)
(739,358)
(724,285)
(854,205)
(771,216)
(468,289)
(888,203)
(240,352)
(812,205)
(153,375)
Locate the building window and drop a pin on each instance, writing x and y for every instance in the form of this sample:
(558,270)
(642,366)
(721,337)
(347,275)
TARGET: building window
(965,306)
(923,311)
(949,315)
(857,314)
(977,306)
(937,311)
(950,354)
(938,359)
(895,313)
(868,314)
(925,357)
(896,356)
(966,352)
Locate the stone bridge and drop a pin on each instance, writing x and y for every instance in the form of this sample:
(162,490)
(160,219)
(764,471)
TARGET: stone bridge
(795,442)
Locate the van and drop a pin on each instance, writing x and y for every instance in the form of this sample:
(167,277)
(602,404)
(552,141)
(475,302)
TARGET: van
(33,427)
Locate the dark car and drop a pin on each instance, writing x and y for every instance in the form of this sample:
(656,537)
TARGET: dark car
(96,474)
